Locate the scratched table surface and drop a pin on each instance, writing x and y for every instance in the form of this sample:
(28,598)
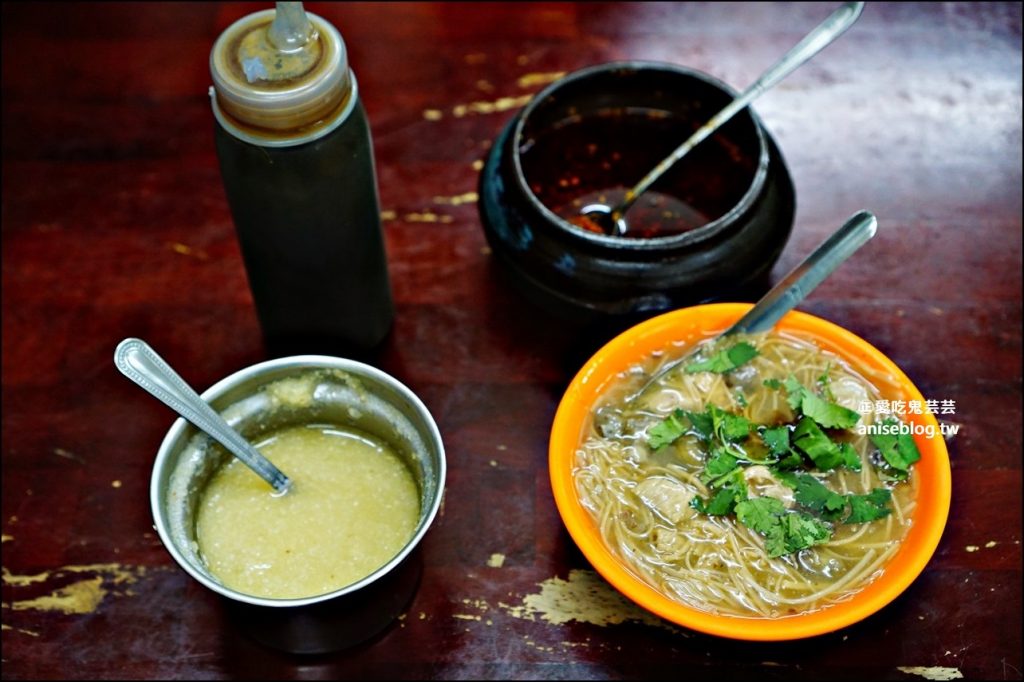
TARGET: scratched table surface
(115,224)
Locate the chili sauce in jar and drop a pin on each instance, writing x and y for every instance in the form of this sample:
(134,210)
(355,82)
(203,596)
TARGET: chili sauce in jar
(597,157)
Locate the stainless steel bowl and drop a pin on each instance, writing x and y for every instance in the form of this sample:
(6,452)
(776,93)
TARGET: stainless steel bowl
(304,389)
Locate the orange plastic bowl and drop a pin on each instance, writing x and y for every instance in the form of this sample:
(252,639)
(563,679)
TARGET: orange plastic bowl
(690,325)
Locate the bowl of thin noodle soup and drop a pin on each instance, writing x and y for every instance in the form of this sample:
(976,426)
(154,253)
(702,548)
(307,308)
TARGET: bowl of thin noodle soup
(767,487)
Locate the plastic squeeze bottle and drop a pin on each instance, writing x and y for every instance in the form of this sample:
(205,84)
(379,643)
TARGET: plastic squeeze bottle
(297,164)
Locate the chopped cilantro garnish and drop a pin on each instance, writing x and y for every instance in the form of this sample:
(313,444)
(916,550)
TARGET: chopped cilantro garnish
(777,439)
(719,464)
(825,381)
(680,422)
(810,439)
(726,360)
(667,430)
(794,392)
(787,477)
(741,399)
(727,426)
(811,493)
(784,531)
(898,449)
(760,513)
(773,384)
(803,531)
(791,461)
(703,425)
(827,414)
(851,460)
(730,478)
(723,501)
(815,496)
(864,508)
(715,423)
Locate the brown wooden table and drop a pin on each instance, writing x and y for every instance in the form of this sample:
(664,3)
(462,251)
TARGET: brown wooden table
(115,224)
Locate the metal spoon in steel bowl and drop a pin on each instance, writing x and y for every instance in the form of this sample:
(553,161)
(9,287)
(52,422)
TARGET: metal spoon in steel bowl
(140,363)
(611,219)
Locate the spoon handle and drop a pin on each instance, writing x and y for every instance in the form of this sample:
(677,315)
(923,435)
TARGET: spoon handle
(795,286)
(140,363)
(803,279)
(815,41)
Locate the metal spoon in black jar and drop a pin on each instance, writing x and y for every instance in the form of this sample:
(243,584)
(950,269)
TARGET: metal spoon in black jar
(611,220)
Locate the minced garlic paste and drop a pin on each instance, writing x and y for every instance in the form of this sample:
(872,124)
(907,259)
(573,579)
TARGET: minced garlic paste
(353,505)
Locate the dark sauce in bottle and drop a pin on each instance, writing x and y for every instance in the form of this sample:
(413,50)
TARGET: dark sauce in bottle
(597,158)
(308,224)
(296,159)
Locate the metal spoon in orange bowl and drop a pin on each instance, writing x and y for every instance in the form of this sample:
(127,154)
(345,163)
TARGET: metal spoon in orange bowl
(801,281)
(611,219)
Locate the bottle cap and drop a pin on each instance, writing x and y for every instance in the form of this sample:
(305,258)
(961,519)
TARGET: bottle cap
(279,74)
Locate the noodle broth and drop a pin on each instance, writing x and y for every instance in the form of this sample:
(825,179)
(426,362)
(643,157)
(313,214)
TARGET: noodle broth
(642,498)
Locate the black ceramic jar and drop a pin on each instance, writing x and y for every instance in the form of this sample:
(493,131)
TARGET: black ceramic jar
(737,178)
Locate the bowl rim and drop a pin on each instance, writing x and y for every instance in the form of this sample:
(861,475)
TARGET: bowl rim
(300,363)
(687,238)
(917,548)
